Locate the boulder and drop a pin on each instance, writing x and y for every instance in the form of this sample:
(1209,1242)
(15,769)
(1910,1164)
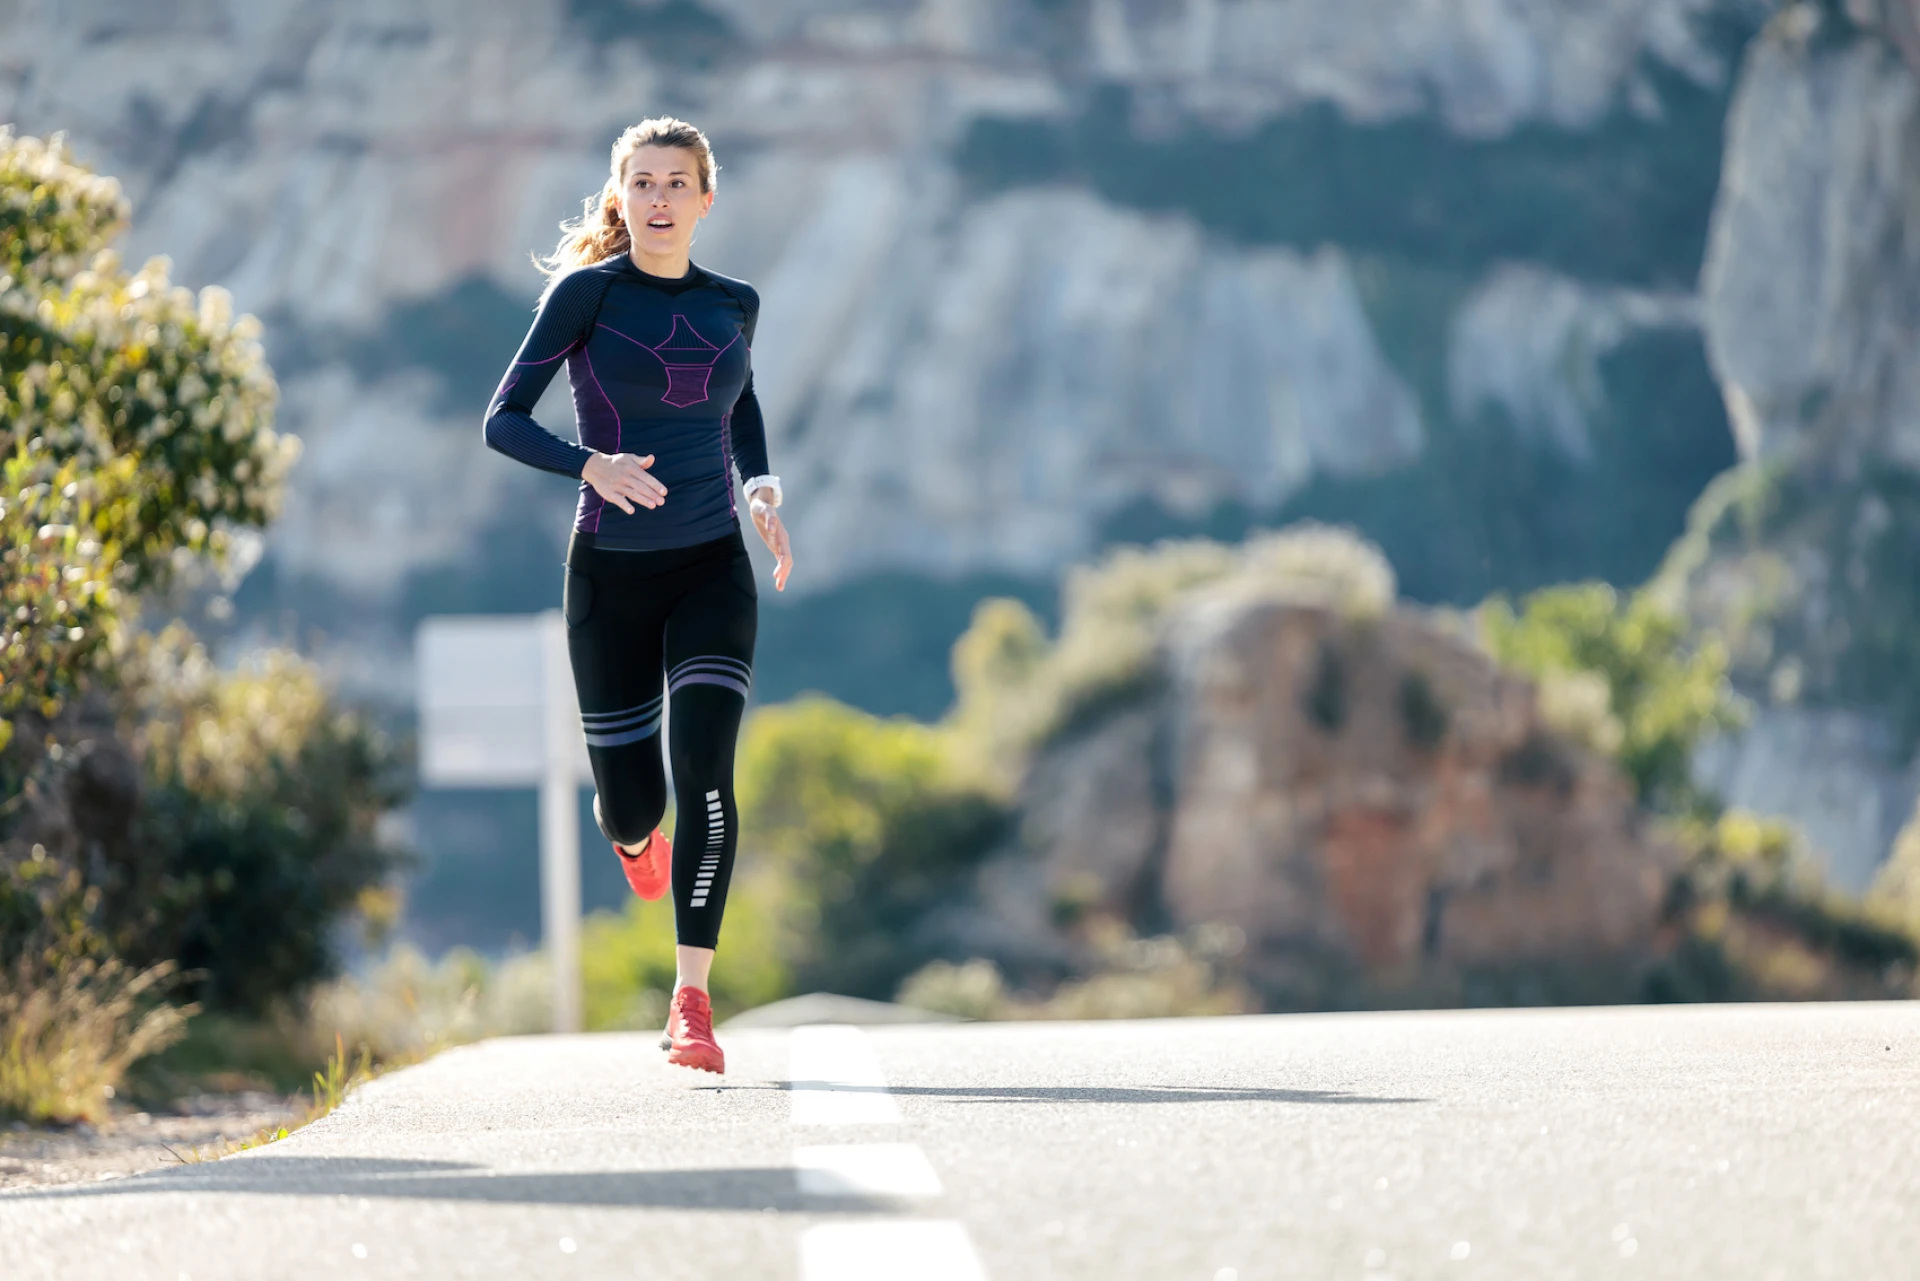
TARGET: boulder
(1356,795)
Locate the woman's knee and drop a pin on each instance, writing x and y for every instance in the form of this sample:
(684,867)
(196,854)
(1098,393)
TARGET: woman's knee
(628,815)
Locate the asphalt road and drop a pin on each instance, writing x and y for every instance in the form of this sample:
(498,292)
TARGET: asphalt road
(1738,1142)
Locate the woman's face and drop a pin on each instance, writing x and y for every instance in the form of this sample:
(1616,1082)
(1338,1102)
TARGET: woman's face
(661,200)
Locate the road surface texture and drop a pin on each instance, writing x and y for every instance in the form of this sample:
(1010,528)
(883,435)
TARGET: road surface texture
(1738,1142)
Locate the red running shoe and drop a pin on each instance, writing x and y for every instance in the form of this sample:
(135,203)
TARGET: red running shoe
(650,871)
(690,1024)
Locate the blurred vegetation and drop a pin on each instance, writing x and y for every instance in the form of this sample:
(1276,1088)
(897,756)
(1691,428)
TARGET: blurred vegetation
(627,957)
(1896,890)
(168,831)
(261,803)
(1128,978)
(1754,920)
(135,425)
(73,1017)
(873,824)
(1017,690)
(1749,915)
(1622,674)
(408,1006)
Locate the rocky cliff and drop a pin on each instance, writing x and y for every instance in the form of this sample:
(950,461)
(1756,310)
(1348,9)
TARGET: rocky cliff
(1037,276)
(1355,787)
(1040,277)
(1805,559)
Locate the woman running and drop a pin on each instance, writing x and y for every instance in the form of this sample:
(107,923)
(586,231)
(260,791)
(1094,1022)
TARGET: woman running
(659,595)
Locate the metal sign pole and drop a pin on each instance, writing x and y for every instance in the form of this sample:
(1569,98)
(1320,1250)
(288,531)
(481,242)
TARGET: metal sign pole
(560,826)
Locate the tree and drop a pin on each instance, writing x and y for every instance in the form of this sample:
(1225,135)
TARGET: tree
(222,820)
(135,425)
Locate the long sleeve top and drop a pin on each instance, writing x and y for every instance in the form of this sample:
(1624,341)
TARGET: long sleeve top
(657,367)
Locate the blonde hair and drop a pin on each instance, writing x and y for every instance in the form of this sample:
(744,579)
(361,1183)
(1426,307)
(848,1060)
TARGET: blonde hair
(598,234)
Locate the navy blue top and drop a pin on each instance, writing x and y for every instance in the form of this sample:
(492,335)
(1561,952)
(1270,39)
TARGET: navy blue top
(658,367)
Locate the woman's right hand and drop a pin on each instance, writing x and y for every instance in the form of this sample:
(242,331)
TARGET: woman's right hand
(623,480)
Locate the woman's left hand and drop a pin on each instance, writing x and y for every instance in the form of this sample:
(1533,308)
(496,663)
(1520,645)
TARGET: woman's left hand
(774,534)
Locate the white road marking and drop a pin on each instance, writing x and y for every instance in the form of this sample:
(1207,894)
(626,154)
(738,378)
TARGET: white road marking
(865,1169)
(889,1250)
(834,1079)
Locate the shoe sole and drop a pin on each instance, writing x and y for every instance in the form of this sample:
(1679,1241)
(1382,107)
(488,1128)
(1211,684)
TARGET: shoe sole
(700,1065)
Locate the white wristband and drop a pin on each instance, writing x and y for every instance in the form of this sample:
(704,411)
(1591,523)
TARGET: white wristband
(764,482)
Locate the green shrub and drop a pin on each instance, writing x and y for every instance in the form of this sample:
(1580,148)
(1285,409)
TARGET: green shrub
(971,989)
(58,603)
(1664,690)
(224,822)
(1755,920)
(871,824)
(135,425)
(258,828)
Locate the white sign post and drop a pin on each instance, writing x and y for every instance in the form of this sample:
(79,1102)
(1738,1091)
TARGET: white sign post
(497,709)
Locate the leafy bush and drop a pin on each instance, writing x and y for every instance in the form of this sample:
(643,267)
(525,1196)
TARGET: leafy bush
(1756,920)
(224,822)
(261,805)
(135,425)
(972,989)
(1624,675)
(871,824)
(58,602)
(97,364)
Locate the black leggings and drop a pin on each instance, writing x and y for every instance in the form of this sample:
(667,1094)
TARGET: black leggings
(685,617)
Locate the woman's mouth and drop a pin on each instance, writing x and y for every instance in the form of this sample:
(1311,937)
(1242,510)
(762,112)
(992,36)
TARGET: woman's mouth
(659,224)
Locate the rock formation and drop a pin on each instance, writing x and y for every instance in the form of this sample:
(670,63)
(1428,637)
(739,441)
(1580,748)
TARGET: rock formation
(1032,268)
(1811,289)
(1371,801)
(1811,306)
(963,375)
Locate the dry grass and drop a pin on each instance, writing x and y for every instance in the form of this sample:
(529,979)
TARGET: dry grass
(1132,978)
(69,1030)
(330,1087)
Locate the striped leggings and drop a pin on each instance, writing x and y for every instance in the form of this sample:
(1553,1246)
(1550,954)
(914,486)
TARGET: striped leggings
(675,627)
